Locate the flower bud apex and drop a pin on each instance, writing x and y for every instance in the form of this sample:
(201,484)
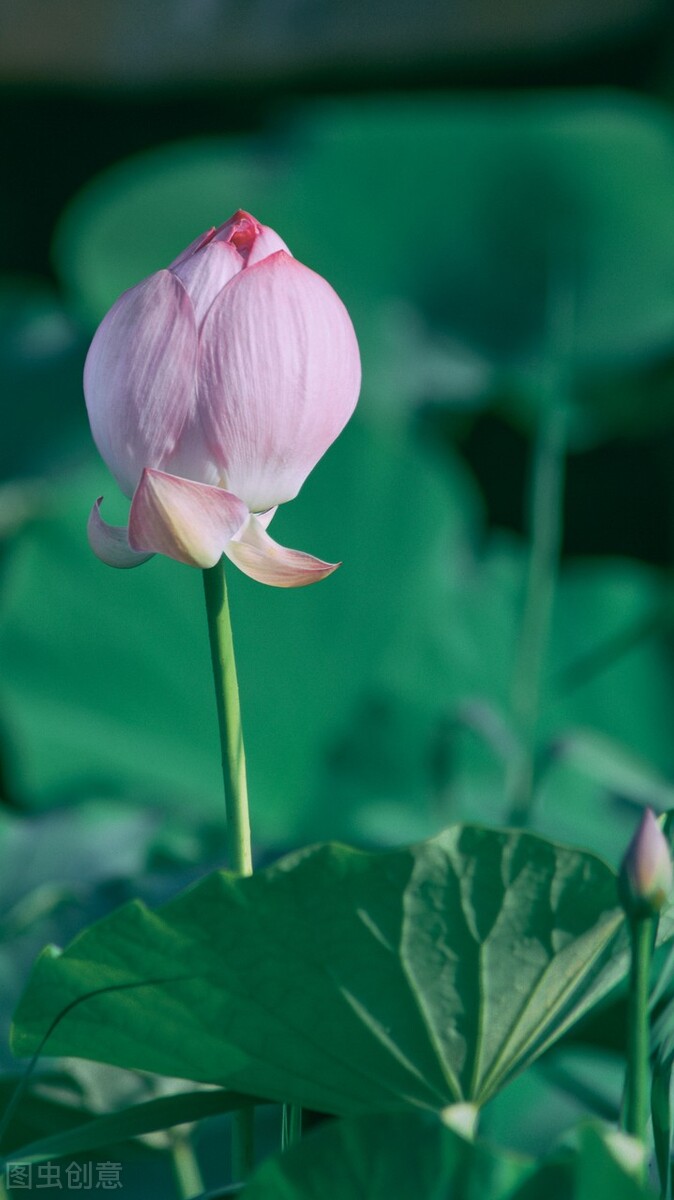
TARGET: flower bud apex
(645,879)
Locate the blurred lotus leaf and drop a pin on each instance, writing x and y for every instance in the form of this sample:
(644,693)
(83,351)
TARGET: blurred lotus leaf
(41,357)
(480,244)
(430,739)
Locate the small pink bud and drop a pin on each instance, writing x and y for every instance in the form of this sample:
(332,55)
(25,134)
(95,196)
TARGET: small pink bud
(646,873)
(233,369)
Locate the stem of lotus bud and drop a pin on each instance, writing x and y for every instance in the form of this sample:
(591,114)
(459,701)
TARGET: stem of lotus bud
(236,792)
(229,720)
(637,1090)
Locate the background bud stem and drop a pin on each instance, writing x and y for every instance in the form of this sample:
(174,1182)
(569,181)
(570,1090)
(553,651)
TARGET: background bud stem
(291,1128)
(236,790)
(637,1090)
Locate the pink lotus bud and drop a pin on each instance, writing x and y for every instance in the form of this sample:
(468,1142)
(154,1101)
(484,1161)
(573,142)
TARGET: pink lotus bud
(646,871)
(213,388)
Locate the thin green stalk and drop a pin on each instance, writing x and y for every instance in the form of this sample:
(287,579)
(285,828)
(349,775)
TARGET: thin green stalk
(291,1127)
(229,720)
(545,519)
(638,1085)
(236,793)
(185,1167)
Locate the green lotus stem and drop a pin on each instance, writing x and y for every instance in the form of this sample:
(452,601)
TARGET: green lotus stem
(637,1092)
(229,720)
(236,793)
(186,1168)
(545,516)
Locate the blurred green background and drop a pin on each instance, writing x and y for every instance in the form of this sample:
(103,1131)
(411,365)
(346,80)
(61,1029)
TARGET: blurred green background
(490,188)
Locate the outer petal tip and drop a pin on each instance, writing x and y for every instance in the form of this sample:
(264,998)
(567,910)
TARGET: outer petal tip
(110,543)
(263,559)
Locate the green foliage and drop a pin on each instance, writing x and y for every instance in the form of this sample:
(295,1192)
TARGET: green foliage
(106,674)
(41,357)
(455,297)
(344,981)
(565,1086)
(133,1122)
(442,703)
(94,701)
(414,1157)
(492,250)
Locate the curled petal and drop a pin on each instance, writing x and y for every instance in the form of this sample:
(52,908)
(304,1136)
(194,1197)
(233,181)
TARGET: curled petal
(110,543)
(258,555)
(191,522)
(139,377)
(278,343)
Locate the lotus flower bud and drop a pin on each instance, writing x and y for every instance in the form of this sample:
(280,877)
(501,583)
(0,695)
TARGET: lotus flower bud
(645,879)
(213,388)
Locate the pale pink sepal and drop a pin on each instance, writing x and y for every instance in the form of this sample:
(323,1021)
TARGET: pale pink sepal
(191,522)
(110,543)
(258,555)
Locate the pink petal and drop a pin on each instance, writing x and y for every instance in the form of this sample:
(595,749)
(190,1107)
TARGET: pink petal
(206,272)
(202,240)
(110,543)
(258,555)
(191,522)
(139,377)
(266,243)
(278,378)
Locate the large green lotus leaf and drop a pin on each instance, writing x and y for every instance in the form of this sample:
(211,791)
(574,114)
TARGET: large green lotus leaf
(415,1157)
(105,674)
(345,981)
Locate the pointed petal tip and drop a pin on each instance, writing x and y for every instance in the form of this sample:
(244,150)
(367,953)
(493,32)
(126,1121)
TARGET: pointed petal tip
(110,543)
(263,559)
